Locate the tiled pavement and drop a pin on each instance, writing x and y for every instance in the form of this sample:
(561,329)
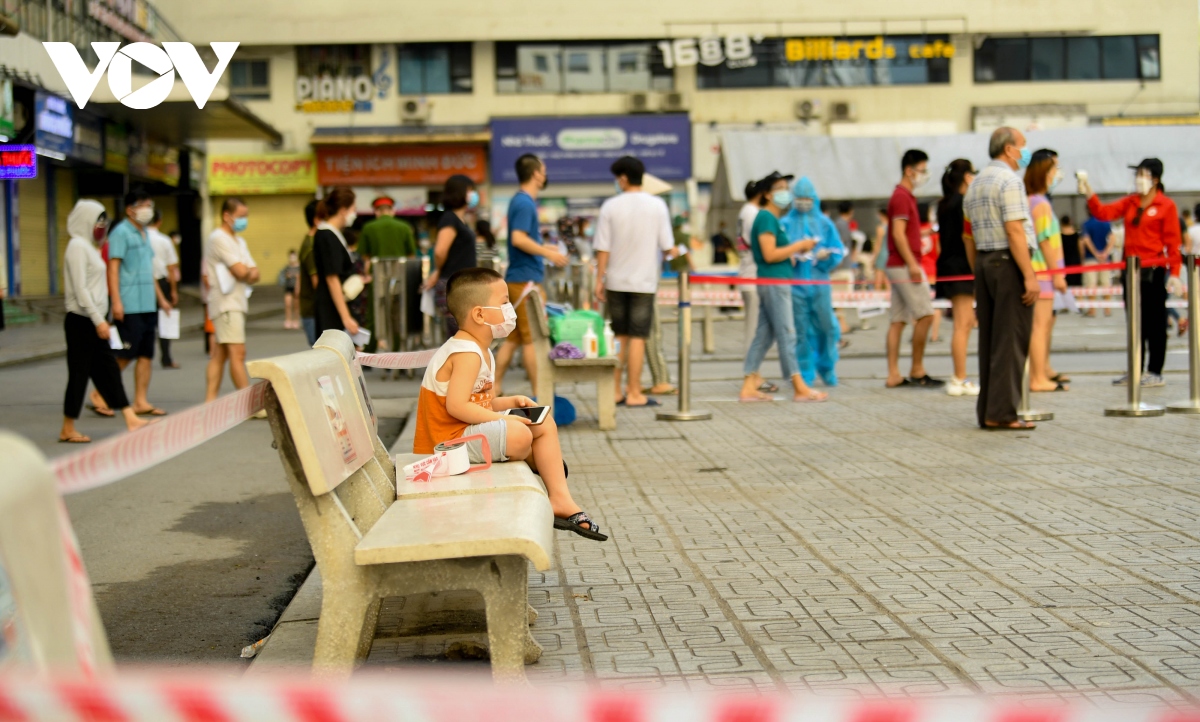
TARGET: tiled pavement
(878,544)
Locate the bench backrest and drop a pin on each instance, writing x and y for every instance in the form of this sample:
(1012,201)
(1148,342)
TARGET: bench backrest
(36,621)
(539,329)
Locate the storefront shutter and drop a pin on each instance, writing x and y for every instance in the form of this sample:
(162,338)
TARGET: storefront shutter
(35,252)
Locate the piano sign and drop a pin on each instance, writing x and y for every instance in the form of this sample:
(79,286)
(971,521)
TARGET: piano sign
(18,161)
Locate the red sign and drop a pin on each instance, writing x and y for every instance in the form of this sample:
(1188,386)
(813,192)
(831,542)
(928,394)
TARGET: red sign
(18,161)
(399,164)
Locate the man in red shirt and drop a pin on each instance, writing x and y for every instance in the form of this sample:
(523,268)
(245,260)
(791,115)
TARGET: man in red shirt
(1152,235)
(911,301)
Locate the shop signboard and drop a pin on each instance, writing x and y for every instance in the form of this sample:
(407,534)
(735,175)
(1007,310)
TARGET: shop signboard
(262,174)
(399,164)
(139,154)
(116,148)
(7,109)
(55,132)
(335,79)
(581,150)
(162,162)
(88,143)
(18,161)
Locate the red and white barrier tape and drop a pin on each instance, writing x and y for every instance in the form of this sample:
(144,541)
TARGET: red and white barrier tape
(453,698)
(128,454)
(400,360)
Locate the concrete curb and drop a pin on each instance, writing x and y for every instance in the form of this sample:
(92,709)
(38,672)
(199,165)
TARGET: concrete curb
(293,641)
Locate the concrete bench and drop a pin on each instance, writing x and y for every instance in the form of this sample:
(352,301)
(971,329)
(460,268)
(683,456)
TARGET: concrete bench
(587,370)
(368,543)
(36,618)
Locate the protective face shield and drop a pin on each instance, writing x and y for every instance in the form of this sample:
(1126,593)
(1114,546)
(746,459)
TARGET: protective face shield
(503,329)
(804,205)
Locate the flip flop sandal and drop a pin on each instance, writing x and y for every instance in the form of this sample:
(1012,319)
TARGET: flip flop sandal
(768,387)
(812,398)
(574,523)
(1020,426)
(77,439)
(650,390)
(754,399)
(152,411)
(903,382)
(1061,379)
(102,411)
(649,402)
(1057,387)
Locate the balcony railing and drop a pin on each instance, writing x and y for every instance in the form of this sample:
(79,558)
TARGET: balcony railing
(82,22)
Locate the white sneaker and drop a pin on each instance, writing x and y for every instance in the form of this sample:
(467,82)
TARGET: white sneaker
(962,387)
(1153,381)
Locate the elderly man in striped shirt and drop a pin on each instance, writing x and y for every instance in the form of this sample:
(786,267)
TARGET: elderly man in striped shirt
(1006,288)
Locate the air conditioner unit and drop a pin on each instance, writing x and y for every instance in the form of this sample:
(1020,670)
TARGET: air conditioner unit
(672,102)
(638,103)
(809,109)
(843,111)
(415,111)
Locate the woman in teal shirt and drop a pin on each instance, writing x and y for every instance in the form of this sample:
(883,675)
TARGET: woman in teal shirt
(775,321)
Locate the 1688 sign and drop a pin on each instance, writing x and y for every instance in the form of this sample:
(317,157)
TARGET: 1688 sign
(735,50)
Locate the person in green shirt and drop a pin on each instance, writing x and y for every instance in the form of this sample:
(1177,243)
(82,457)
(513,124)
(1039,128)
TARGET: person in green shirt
(385,237)
(775,321)
(308,275)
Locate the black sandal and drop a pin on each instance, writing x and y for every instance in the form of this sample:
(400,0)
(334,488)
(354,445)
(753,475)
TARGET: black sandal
(768,387)
(574,523)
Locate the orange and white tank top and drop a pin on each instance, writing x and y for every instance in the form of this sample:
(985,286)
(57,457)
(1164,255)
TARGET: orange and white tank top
(434,422)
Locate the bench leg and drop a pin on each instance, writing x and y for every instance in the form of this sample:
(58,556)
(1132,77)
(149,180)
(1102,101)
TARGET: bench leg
(532,614)
(345,630)
(510,644)
(606,402)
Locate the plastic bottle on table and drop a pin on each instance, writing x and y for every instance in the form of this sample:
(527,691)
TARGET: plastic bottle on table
(591,343)
(610,339)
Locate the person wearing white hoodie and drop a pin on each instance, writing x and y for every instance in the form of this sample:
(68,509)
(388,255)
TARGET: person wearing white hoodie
(86,325)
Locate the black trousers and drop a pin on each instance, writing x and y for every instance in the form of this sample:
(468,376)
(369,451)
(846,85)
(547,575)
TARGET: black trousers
(164,344)
(1154,317)
(88,356)
(1005,324)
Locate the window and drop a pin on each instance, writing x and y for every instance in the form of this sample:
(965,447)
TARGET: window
(435,68)
(249,80)
(584,67)
(1111,57)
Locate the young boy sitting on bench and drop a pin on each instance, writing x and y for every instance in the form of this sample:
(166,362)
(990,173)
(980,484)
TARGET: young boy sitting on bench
(456,396)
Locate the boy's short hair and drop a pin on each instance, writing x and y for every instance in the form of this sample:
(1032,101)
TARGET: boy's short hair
(469,288)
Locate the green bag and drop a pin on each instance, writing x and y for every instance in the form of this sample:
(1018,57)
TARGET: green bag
(571,327)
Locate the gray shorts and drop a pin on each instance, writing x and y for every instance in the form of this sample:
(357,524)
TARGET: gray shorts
(910,301)
(497,436)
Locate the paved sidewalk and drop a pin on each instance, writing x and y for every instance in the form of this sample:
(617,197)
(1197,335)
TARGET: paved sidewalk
(876,544)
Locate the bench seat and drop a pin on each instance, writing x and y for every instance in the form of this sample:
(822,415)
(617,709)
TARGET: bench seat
(452,527)
(509,476)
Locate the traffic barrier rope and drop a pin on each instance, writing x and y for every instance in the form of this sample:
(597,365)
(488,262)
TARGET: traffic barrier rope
(452,698)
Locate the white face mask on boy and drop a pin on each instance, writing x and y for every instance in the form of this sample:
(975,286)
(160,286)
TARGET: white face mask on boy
(502,330)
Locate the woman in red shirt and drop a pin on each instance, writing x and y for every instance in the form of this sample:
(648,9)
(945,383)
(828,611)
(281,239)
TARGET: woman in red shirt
(1152,234)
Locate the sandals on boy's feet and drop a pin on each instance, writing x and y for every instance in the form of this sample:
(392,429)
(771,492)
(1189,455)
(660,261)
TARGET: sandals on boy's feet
(575,523)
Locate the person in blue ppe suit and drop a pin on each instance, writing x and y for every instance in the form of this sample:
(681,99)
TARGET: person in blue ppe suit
(818,332)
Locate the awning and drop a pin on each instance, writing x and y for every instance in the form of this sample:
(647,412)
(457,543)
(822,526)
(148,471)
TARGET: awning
(869,168)
(178,120)
(402,135)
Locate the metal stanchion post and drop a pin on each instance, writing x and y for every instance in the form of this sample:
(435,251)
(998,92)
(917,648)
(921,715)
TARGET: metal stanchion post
(1133,338)
(685,412)
(1192,405)
(1025,413)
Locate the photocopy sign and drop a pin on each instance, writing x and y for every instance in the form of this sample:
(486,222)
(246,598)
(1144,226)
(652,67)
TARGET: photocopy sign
(581,150)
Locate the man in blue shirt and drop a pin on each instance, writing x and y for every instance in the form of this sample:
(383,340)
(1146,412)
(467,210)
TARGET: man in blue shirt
(526,264)
(1097,248)
(136,298)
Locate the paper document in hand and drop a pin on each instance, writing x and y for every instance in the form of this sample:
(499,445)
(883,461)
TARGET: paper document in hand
(168,324)
(114,338)
(428,305)
(1064,302)
(362,338)
(225,279)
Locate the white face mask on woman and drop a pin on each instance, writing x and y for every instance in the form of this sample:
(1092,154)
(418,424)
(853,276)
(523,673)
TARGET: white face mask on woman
(351,217)
(1143,183)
